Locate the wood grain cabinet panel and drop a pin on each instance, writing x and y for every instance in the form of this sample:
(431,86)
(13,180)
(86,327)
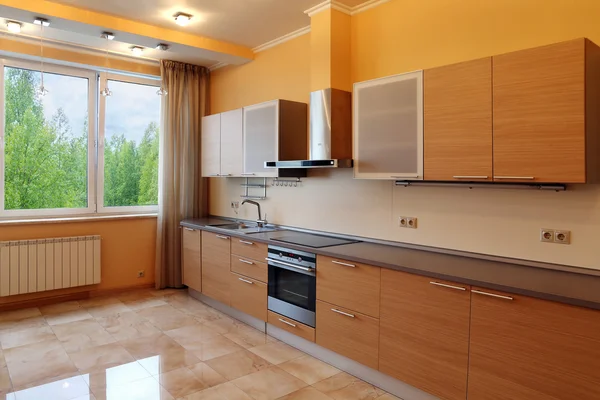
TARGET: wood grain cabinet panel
(348,284)
(292,326)
(458,122)
(539,107)
(249,296)
(250,268)
(351,334)
(532,349)
(248,248)
(191,258)
(216,266)
(424,333)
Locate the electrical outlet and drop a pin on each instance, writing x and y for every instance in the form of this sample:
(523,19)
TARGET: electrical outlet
(141,274)
(546,235)
(411,222)
(402,222)
(562,237)
(235,205)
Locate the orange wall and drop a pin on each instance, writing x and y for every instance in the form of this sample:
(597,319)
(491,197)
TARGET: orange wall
(128,246)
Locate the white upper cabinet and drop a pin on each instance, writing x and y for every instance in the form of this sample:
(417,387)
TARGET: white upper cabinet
(231,143)
(211,145)
(261,135)
(388,128)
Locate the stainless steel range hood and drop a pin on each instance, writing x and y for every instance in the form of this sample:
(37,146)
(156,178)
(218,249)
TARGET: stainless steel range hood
(330,132)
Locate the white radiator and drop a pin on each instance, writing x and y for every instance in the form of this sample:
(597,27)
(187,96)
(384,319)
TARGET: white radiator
(28,266)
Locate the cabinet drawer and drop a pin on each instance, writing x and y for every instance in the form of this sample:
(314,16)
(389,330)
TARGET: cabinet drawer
(216,268)
(349,284)
(348,333)
(249,249)
(249,296)
(250,268)
(292,326)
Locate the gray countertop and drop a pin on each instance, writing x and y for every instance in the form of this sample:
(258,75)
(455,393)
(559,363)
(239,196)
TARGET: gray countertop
(577,286)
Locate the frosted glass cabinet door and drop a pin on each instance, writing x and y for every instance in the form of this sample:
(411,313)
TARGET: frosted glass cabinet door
(388,127)
(261,128)
(211,145)
(231,143)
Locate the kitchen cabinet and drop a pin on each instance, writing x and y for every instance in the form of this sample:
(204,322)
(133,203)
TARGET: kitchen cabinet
(349,284)
(458,121)
(526,348)
(211,145)
(349,333)
(273,131)
(424,333)
(388,128)
(545,108)
(250,268)
(292,326)
(215,266)
(248,295)
(191,258)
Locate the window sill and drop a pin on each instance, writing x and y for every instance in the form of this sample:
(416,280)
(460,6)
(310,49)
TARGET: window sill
(85,218)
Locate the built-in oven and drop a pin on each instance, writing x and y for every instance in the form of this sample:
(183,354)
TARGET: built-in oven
(292,284)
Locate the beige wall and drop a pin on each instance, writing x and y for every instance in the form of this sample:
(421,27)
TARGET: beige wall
(400,36)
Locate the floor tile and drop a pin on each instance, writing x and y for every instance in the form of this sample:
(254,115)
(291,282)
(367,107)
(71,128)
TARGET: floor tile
(207,375)
(105,310)
(269,384)
(60,389)
(308,393)
(188,335)
(344,386)
(14,325)
(213,348)
(238,364)
(144,389)
(60,308)
(37,362)
(101,357)
(166,317)
(309,369)
(98,301)
(225,391)
(80,335)
(134,295)
(16,315)
(224,324)
(68,316)
(145,303)
(180,382)
(276,352)
(248,337)
(5,383)
(388,396)
(116,376)
(10,339)
(127,325)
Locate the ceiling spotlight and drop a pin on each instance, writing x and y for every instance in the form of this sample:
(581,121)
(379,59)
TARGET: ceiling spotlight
(107,35)
(137,50)
(41,21)
(13,26)
(182,19)
(162,47)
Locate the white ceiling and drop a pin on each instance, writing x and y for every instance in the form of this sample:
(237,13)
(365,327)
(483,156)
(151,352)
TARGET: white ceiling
(246,22)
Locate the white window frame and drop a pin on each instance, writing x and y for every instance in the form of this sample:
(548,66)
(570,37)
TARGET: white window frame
(104,77)
(92,101)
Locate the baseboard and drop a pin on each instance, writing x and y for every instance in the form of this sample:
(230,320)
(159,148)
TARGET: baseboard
(119,290)
(374,377)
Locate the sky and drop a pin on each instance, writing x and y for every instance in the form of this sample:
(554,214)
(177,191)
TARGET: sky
(129,110)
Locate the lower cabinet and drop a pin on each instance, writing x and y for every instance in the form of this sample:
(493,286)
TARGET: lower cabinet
(191,259)
(248,295)
(346,332)
(292,326)
(526,348)
(215,266)
(425,333)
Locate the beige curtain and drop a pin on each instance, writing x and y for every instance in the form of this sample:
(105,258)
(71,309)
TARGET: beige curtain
(182,190)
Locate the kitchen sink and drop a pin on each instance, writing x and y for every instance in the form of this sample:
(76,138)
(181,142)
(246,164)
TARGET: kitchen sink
(243,228)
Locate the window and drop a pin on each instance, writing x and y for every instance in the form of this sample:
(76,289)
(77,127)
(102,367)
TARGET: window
(49,163)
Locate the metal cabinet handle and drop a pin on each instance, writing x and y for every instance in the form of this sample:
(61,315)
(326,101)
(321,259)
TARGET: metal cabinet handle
(246,242)
(246,262)
(248,173)
(287,323)
(529,178)
(225,175)
(215,174)
(290,265)
(343,263)
(343,313)
(470,177)
(189,229)
(222,237)
(447,286)
(246,280)
(404,177)
(498,296)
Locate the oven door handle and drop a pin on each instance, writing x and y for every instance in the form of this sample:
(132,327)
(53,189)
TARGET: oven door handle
(290,265)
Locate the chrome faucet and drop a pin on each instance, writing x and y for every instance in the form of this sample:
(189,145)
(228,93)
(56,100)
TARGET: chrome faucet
(261,222)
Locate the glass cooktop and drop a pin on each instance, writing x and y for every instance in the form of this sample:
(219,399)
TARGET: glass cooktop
(309,240)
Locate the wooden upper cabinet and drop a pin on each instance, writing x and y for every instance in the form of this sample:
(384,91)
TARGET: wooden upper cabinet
(231,143)
(211,145)
(424,333)
(539,107)
(458,122)
(532,349)
(191,259)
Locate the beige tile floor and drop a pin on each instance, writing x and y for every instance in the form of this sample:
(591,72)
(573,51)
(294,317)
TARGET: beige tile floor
(157,345)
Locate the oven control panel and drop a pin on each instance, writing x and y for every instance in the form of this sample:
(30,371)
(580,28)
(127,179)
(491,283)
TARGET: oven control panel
(297,257)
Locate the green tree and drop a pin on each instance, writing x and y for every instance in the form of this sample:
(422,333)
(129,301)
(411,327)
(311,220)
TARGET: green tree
(148,156)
